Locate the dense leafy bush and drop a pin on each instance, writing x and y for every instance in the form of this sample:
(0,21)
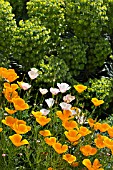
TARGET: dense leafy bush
(72,31)
(7,27)
(102,89)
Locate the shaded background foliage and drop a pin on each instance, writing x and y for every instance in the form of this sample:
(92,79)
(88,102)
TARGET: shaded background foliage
(66,40)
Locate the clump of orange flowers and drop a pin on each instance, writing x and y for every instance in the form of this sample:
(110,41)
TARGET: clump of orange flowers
(73,132)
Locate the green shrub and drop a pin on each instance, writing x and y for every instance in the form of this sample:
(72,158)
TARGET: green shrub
(7,27)
(18,8)
(101,89)
(75,32)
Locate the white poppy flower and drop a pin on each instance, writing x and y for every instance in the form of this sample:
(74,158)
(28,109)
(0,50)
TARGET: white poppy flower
(63,87)
(44,112)
(65,106)
(23,85)
(50,102)
(33,73)
(54,91)
(68,98)
(43,91)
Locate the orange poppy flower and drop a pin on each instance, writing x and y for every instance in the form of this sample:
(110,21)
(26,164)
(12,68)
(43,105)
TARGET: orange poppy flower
(10,87)
(3,72)
(70,125)
(65,115)
(84,131)
(74,164)
(50,141)
(9,121)
(97,125)
(91,122)
(108,143)
(10,111)
(99,141)
(59,148)
(20,104)
(10,95)
(43,120)
(96,164)
(80,88)
(36,114)
(88,150)
(17,140)
(50,168)
(69,158)
(110,132)
(102,127)
(1,129)
(72,135)
(20,127)
(10,75)
(97,102)
(45,133)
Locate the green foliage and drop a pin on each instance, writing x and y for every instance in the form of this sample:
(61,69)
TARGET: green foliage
(87,21)
(52,68)
(29,42)
(74,32)
(18,8)
(7,26)
(101,89)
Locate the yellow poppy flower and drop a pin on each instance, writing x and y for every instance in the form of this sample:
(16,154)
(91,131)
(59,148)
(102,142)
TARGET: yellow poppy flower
(80,88)
(10,111)
(97,102)
(1,129)
(36,114)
